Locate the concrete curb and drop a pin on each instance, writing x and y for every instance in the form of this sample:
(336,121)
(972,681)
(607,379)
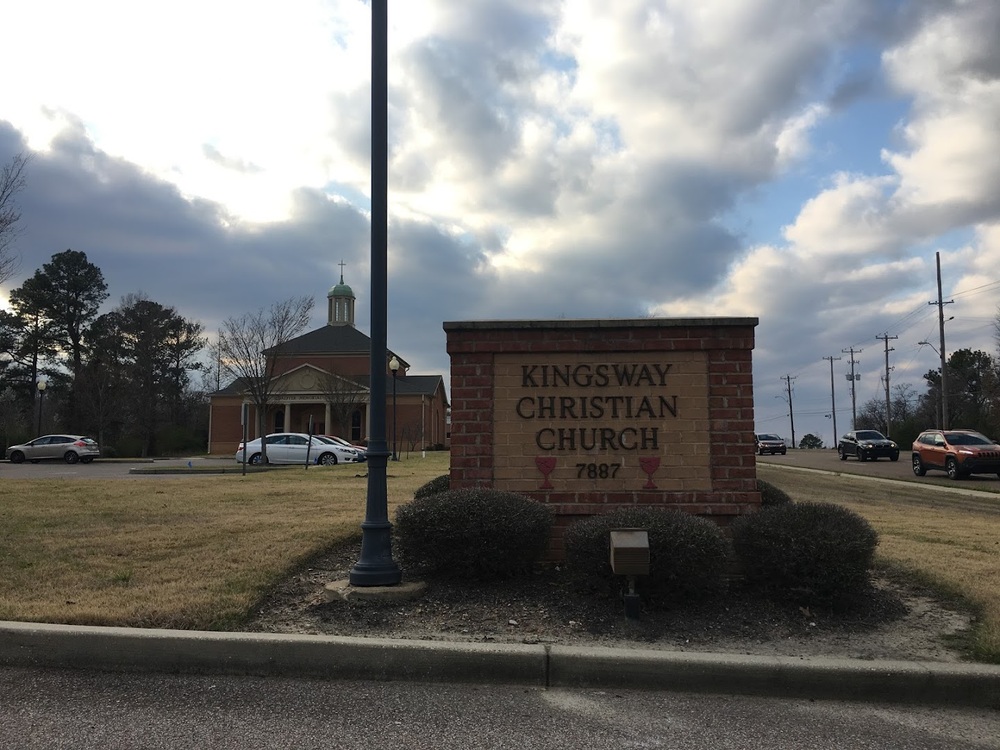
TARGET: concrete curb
(335,657)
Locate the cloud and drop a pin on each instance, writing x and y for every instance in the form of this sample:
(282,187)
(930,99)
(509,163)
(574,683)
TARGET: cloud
(547,159)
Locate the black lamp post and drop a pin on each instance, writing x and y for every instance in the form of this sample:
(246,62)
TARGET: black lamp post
(42,385)
(376,566)
(394,368)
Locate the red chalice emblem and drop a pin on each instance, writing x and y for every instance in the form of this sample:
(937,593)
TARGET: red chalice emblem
(546,465)
(649,465)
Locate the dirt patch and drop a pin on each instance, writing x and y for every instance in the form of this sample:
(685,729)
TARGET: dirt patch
(893,620)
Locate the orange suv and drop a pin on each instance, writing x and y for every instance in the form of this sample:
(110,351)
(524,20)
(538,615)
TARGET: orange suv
(956,452)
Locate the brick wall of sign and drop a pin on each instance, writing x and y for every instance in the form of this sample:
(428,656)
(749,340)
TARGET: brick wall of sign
(590,415)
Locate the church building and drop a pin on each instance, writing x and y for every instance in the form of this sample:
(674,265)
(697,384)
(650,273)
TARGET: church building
(322,377)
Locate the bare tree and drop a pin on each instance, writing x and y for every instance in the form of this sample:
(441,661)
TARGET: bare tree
(12,180)
(344,396)
(250,346)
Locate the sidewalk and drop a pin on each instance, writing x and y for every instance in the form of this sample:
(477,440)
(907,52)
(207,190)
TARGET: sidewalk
(333,657)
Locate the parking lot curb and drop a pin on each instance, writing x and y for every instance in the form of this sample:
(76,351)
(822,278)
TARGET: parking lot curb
(339,657)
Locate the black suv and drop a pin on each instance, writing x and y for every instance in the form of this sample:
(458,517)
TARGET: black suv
(766,442)
(867,445)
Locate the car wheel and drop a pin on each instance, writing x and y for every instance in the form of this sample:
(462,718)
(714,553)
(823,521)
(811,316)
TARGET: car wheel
(17,457)
(328,459)
(256,459)
(761,451)
(842,453)
(894,457)
(862,456)
(70,457)
(783,453)
(951,466)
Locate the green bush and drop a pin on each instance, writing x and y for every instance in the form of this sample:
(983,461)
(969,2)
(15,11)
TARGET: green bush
(688,555)
(477,533)
(771,495)
(433,487)
(812,551)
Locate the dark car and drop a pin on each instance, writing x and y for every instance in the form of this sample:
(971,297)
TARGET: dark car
(867,445)
(955,452)
(766,442)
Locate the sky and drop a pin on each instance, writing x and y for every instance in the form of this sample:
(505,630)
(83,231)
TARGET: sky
(803,163)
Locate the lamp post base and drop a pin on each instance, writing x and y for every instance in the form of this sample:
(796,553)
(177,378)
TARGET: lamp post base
(375,566)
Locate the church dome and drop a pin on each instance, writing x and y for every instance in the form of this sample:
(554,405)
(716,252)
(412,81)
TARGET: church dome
(341,290)
(340,303)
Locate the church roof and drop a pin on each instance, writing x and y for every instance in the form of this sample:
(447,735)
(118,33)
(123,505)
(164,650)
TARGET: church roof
(410,385)
(328,340)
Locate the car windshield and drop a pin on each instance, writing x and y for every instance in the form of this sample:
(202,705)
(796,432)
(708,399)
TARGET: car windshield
(768,436)
(870,435)
(966,438)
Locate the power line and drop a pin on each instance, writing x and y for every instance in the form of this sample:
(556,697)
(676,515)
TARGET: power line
(833,398)
(888,418)
(791,412)
(853,377)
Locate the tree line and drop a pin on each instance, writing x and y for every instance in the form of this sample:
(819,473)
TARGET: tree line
(123,377)
(973,381)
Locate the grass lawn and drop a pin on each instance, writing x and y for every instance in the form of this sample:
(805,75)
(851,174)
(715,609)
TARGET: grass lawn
(948,541)
(198,552)
(186,552)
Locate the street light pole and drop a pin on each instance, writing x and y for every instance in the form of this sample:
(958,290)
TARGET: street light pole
(42,385)
(394,367)
(376,567)
(941,396)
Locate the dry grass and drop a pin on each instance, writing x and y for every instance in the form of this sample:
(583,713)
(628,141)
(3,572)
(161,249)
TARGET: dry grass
(199,552)
(194,552)
(951,542)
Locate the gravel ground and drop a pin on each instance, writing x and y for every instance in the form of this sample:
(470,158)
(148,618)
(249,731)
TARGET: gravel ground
(893,620)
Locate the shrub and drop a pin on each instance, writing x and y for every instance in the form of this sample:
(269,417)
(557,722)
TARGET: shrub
(433,487)
(687,554)
(813,551)
(771,495)
(478,533)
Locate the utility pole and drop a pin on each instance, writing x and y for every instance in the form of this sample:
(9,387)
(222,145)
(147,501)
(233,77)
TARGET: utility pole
(791,412)
(853,377)
(833,399)
(944,362)
(888,415)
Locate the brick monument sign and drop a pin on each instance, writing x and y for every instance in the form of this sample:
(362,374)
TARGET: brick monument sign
(591,415)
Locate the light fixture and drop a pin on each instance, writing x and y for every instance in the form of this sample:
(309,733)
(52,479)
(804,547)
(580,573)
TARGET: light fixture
(394,368)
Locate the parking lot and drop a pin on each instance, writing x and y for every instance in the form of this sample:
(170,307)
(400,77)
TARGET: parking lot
(116,468)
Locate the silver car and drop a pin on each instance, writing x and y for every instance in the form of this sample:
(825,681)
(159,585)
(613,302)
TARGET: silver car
(69,448)
(296,448)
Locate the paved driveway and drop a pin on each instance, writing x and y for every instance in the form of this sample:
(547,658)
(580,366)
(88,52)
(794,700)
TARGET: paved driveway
(113,469)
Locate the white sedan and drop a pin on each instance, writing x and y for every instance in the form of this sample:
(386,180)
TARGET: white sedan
(296,448)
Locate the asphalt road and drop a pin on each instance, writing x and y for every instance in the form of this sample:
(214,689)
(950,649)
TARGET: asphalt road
(824,460)
(883,468)
(54,709)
